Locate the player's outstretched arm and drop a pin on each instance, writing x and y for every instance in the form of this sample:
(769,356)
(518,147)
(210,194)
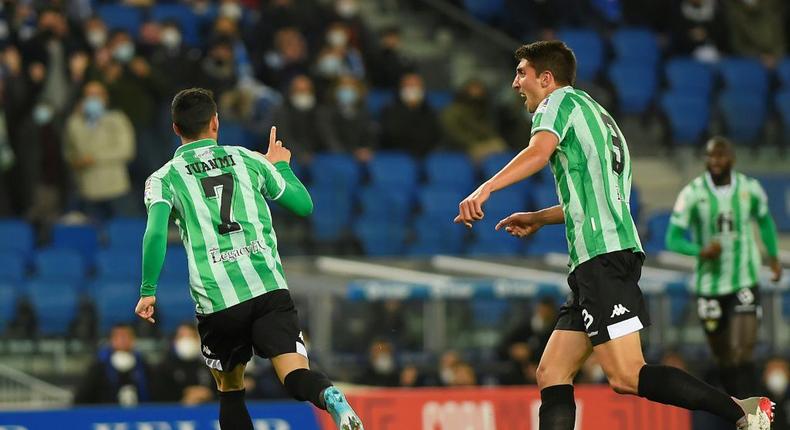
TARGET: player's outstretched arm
(676,241)
(294,196)
(154,249)
(523,224)
(528,162)
(769,236)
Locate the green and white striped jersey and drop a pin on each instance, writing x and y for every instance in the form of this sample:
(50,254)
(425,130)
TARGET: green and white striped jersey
(592,171)
(724,214)
(218,199)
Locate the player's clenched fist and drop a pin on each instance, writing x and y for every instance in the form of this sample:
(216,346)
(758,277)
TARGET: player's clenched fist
(145,308)
(521,224)
(277,152)
(471,208)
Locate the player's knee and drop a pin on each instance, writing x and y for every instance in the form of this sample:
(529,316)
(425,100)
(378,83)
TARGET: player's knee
(624,382)
(546,376)
(229,381)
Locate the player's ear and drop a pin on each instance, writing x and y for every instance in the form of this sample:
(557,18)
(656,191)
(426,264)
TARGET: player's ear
(214,125)
(176,130)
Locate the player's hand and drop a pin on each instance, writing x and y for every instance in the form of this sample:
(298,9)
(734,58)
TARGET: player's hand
(521,224)
(711,252)
(277,152)
(471,208)
(145,308)
(776,269)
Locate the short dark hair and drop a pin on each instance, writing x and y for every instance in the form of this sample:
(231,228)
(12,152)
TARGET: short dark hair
(192,110)
(550,55)
(722,142)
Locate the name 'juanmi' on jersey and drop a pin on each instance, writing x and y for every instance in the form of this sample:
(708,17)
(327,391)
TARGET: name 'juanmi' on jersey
(214,163)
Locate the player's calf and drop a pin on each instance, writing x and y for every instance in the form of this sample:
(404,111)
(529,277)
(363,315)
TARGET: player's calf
(315,387)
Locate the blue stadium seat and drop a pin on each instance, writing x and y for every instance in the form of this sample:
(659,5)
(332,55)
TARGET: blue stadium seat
(126,233)
(635,85)
(550,238)
(184,16)
(452,169)
(439,99)
(13,267)
(119,264)
(385,203)
(545,196)
(505,202)
(377,99)
(783,73)
(744,75)
(495,162)
(777,187)
(232,133)
(175,268)
(340,170)
(174,305)
(439,201)
(55,305)
(8,303)
(485,10)
(121,17)
(115,301)
(689,77)
(331,214)
(589,49)
(657,226)
(782,102)
(81,238)
(437,235)
(380,237)
(688,115)
(17,236)
(742,127)
(636,45)
(394,170)
(63,265)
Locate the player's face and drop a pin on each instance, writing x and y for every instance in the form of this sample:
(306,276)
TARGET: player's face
(719,160)
(527,84)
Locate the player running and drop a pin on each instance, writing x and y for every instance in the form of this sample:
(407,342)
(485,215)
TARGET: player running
(719,207)
(217,196)
(592,168)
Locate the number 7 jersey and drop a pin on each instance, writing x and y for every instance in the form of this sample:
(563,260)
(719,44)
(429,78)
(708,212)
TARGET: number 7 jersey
(218,199)
(592,172)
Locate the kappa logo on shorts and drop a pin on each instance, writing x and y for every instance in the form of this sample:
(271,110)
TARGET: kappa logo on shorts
(619,310)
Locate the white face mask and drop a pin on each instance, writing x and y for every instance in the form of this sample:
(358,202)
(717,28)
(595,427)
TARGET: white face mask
(384,364)
(337,38)
(42,114)
(346,8)
(96,38)
(597,374)
(537,323)
(187,348)
(230,10)
(123,361)
(303,101)
(171,38)
(412,95)
(447,376)
(776,382)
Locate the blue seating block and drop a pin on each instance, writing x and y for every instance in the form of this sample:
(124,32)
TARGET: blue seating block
(744,75)
(439,201)
(657,226)
(734,106)
(81,238)
(175,268)
(380,237)
(636,45)
(340,170)
(331,214)
(174,305)
(126,233)
(382,202)
(635,84)
(688,115)
(121,17)
(13,267)
(119,264)
(689,77)
(55,305)
(17,236)
(395,170)
(450,169)
(588,47)
(63,265)
(115,302)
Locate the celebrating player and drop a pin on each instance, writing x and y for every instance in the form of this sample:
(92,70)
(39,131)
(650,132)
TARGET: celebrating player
(719,207)
(217,196)
(592,168)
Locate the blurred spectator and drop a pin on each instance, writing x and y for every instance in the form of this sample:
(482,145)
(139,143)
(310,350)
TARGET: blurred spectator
(338,58)
(382,368)
(469,124)
(296,120)
(533,332)
(699,29)
(410,124)
(7,159)
(410,376)
(674,359)
(218,69)
(514,121)
(387,64)
(776,375)
(345,123)
(347,12)
(95,32)
(99,144)
(150,38)
(522,366)
(226,28)
(251,105)
(463,375)
(183,375)
(756,28)
(445,371)
(288,59)
(118,375)
(261,381)
(388,320)
(180,61)
(304,15)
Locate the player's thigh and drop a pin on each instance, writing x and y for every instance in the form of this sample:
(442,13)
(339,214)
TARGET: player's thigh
(232,380)
(564,355)
(286,363)
(275,329)
(622,360)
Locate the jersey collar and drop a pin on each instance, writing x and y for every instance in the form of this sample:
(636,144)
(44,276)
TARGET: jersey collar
(194,145)
(724,190)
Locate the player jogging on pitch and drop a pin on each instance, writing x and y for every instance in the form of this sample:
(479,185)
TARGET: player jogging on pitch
(718,207)
(592,169)
(217,196)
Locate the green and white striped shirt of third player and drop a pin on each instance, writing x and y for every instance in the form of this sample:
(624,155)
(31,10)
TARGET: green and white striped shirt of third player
(592,170)
(723,214)
(218,199)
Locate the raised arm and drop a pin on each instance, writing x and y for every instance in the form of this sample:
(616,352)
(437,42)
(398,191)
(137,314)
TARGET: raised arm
(281,184)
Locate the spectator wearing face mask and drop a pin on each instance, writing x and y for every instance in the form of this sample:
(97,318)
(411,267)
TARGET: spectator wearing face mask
(99,145)
(345,123)
(180,61)
(288,59)
(229,29)
(410,124)
(469,124)
(445,371)
(217,71)
(347,12)
(118,375)
(183,376)
(296,118)
(698,28)
(338,57)
(775,379)
(95,32)
(382,369)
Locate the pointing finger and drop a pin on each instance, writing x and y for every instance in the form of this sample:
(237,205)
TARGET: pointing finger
(272,136)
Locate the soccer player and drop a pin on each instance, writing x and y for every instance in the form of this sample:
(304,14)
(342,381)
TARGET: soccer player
(592,168)
(217,196)
(719,207)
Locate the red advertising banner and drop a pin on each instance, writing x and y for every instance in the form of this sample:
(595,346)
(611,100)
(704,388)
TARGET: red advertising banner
(597,408)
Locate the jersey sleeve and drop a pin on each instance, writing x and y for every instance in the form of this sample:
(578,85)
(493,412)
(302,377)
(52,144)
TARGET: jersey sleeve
(681,212)
(759,199)
(552,115)
(157,189)
(273,184)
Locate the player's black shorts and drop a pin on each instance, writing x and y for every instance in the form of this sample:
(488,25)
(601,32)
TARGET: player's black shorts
(267,323)
(715,312)
(605,299)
